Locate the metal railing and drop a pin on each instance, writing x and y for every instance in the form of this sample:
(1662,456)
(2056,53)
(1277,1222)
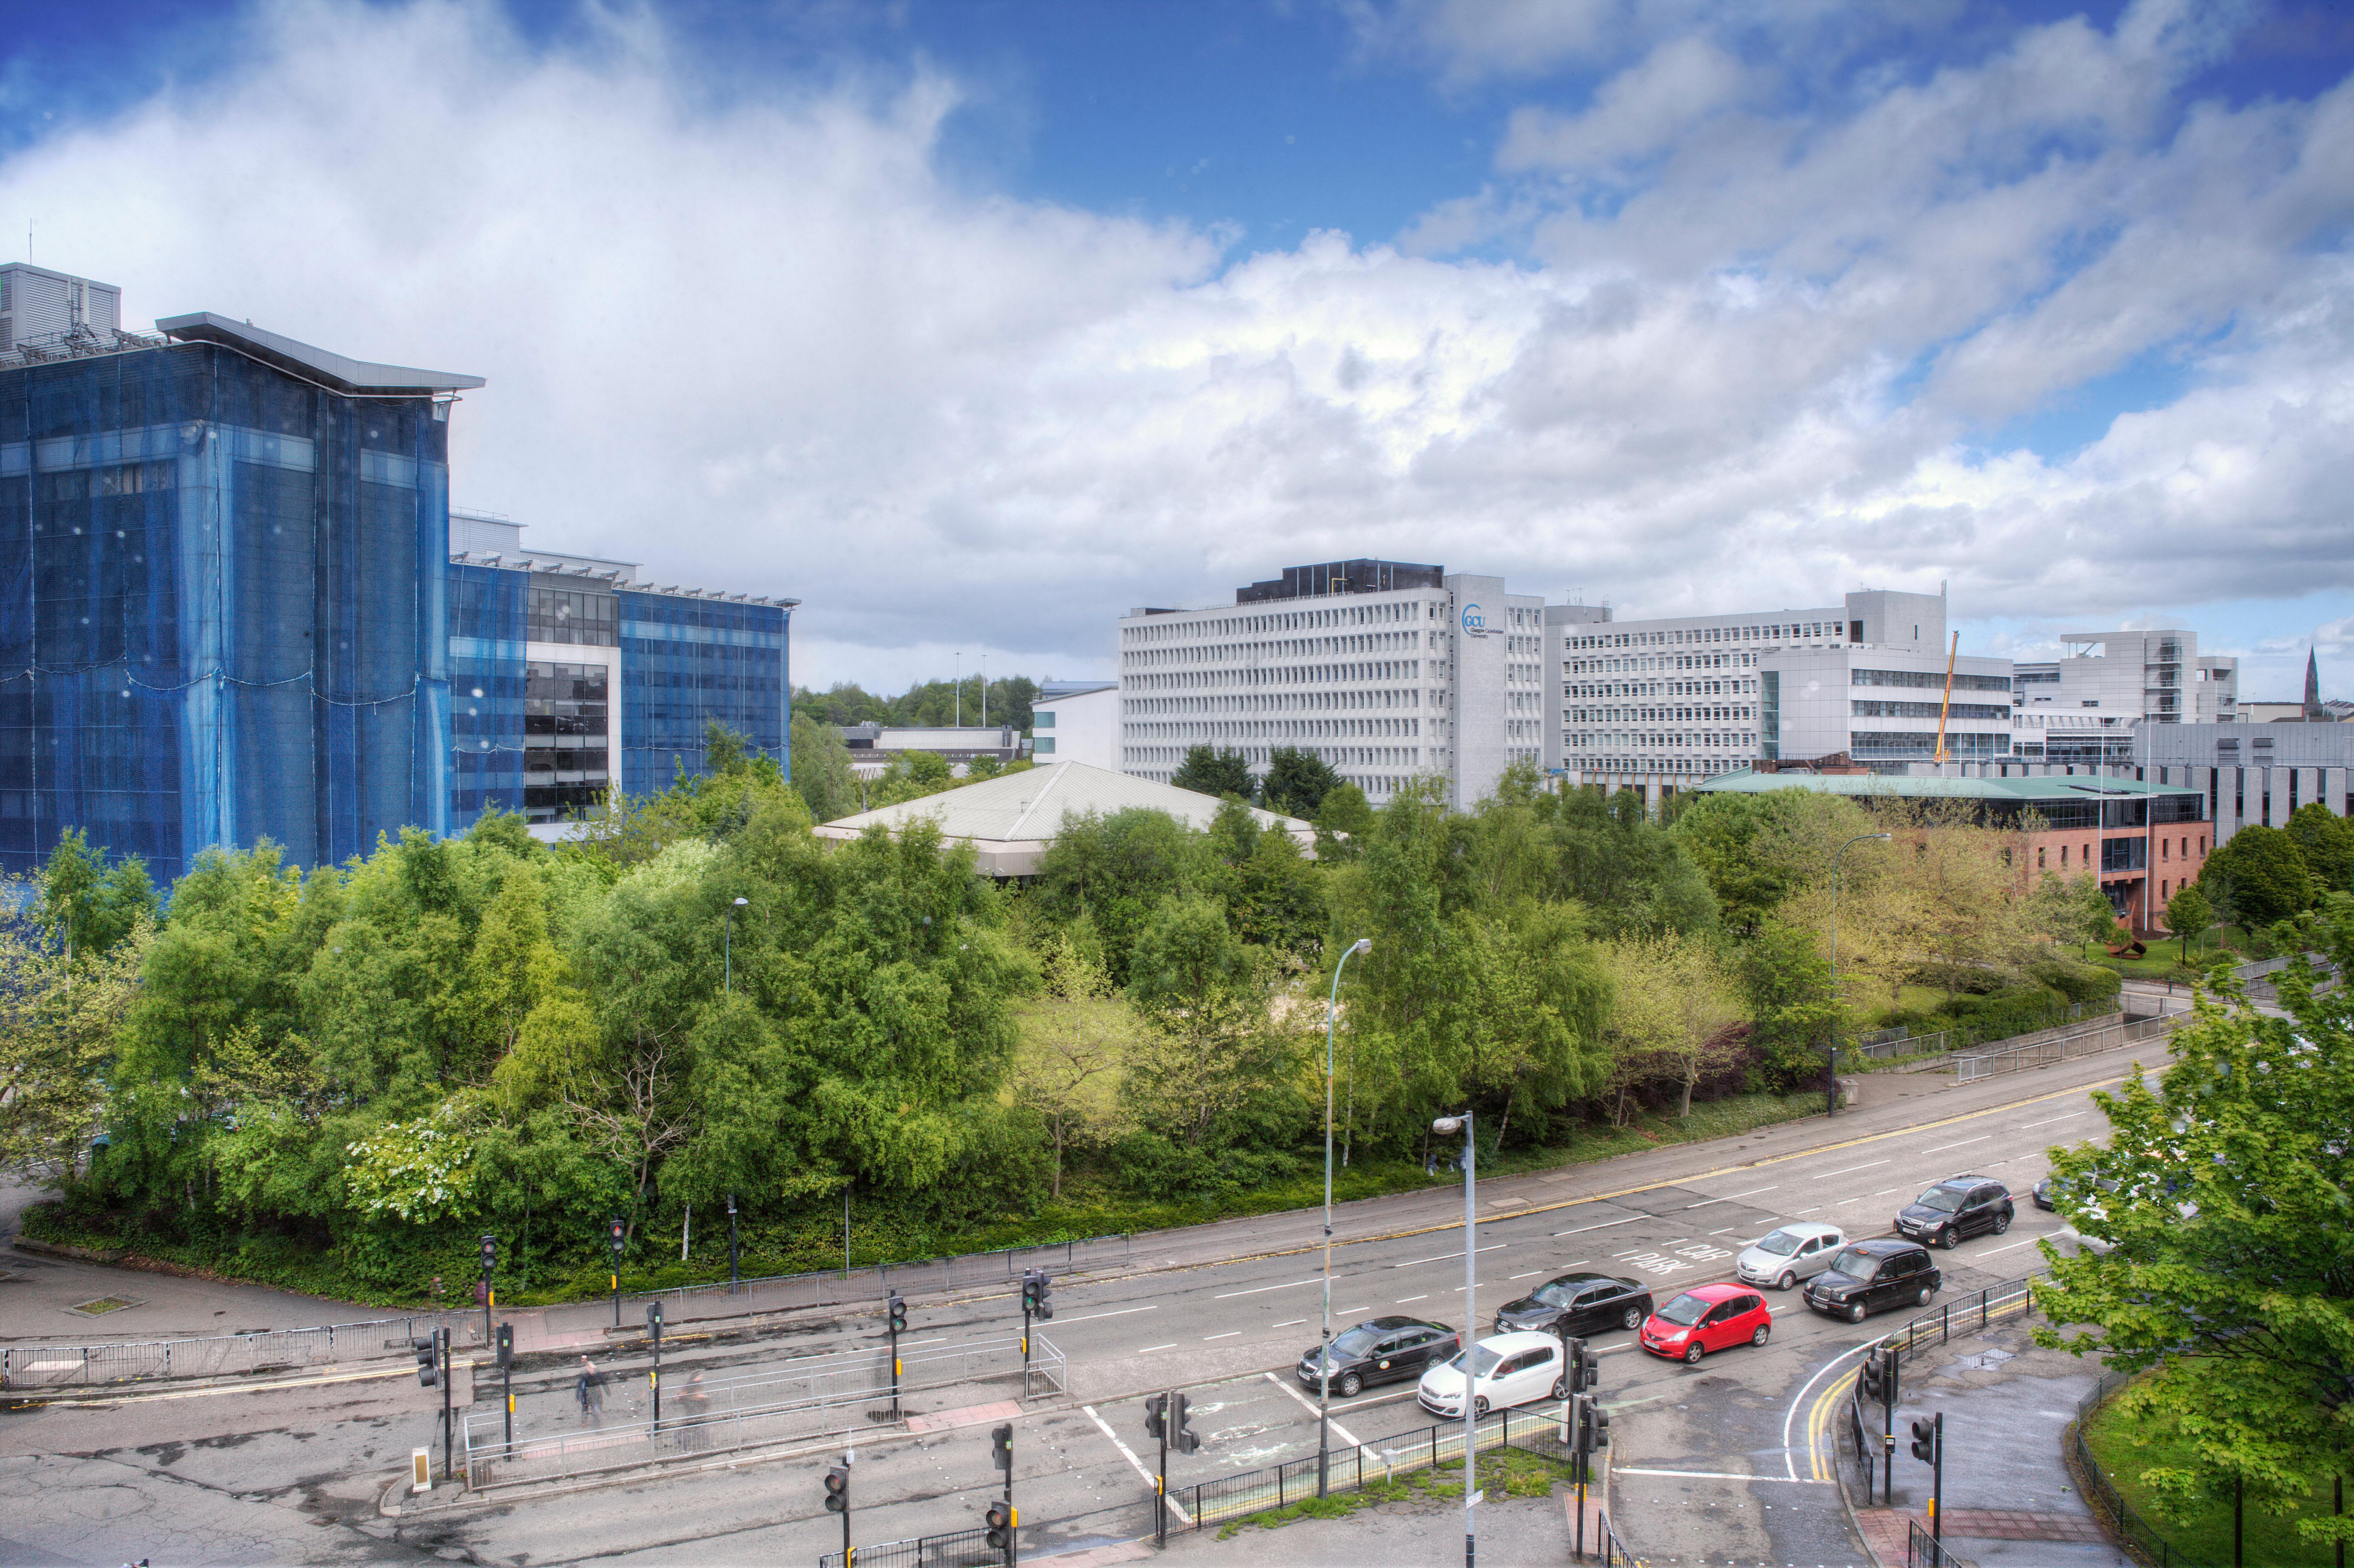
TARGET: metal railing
(2063,1045)
(2116,1513)
(1614,1551)
(1970,1312)
(836,1288)
(1900,1046)
(957,1549)
(219,1355)
(1923,1550)
(803,1401)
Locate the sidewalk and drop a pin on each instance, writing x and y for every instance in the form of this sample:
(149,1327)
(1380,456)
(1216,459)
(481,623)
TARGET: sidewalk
(2009,1501)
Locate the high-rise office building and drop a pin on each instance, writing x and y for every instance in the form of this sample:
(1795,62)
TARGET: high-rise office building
(2082,707)
(230,609)
(1384,669)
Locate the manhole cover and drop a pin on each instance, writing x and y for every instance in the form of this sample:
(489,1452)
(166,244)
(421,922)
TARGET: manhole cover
(101,1306)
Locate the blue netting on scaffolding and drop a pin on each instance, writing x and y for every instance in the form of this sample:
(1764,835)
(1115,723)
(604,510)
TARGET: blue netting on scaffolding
(487,632)
(686,661)
(221,610)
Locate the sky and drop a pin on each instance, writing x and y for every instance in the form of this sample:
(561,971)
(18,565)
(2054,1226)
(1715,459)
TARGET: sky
(972,324)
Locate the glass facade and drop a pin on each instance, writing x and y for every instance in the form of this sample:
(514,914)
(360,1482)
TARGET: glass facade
(487,610)
(566,769)
(222,609)
(686,661)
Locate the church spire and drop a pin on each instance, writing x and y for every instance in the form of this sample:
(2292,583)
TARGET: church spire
(2313,708)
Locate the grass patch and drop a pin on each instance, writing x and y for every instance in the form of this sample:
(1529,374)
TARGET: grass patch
(1503,1473)
(2124,1449)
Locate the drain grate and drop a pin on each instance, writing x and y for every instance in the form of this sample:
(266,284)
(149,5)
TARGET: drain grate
(99,1307)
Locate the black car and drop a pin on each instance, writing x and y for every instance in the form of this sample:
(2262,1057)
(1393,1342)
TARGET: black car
(1577,1304)
(1867,1276)
(1955,1207)
(1384,1350)
(2044,1193)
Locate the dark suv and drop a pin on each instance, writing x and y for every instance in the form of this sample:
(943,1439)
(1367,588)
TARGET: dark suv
(1955,1207)
(1384,1350)
(1868,1275)
(1577,1304)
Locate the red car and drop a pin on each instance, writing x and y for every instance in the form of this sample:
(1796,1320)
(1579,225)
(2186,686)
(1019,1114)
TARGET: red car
(1708,1317)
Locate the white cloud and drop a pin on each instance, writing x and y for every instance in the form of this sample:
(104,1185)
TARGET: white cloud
(757,338)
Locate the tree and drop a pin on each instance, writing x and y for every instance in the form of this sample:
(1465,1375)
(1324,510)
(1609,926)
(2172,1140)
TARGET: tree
(1296,782)
(2261,875)
(1793,1009)
(1672,1008)
(2326,841)
(59,1019)
(2228,1273)
(1076,1040)
(822,770)
(2188,915)
(1216,773)
(1343,819)
(87,905)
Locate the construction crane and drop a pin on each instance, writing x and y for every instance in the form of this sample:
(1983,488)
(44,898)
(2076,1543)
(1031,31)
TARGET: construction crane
(1946,706)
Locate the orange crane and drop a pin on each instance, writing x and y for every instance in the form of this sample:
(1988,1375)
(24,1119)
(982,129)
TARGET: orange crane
(1946,706)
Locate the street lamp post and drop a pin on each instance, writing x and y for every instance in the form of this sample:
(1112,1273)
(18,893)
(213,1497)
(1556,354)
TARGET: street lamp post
(727,952)
(1324,1374)
(1447,1126)
(1830,1106)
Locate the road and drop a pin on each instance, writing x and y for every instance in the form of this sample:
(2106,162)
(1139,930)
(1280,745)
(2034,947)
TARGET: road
(1218,1324)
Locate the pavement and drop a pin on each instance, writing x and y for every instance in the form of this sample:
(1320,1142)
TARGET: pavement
(2009,1501)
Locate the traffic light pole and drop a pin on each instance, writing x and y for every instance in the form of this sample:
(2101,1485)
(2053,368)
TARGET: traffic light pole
(653,1377)
(448,1473)
(1161,1495)
(1937,1489)
(1887,1428)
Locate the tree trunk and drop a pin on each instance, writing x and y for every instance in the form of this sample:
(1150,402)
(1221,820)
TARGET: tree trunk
(1684,1109)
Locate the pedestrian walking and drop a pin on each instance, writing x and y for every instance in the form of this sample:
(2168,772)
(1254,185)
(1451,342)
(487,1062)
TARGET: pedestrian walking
(694,1404)
(590,1392)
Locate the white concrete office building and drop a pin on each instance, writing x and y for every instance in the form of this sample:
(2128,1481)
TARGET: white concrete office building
(1387,669)
(1658,705)
(2080,708)
(1076,721)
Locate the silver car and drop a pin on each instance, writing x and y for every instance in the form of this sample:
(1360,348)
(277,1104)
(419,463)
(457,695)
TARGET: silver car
(1790,1255)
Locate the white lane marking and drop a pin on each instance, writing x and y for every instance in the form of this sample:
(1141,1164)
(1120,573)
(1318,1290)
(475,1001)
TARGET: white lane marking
(2047,1122)
(1718,1476)
(1444,1256)
(1404,1299)
(1149,1349)
(1257,1289)
(1293,1324)
(1754,1190)
(1964,1144)
(1128,1453)
(1790,1460)
(1530,1274)
(1705,1202)
(2008,1245)
(1711,1232)
(1803,1213)
(1123,1312)
(1885,1190)
(1849,1170)
(1339,1431)
(1228,1335)
(1603,1226)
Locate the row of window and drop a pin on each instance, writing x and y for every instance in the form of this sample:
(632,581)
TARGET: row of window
(1778,632)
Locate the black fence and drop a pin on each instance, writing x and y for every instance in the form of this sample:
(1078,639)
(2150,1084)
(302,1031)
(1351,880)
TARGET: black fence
(957,1549)
(2139,1534)
(1967,1313)
(1923,1550)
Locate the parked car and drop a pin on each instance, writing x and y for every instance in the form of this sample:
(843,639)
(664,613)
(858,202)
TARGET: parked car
(1506,1369)
(2043,1194)
(1708,1317)
(1577,1304)
(1867,1276)
(1786,1257)
(1383,1349)
(1955,1207)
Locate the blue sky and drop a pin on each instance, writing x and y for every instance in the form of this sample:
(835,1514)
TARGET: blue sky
(1074,306)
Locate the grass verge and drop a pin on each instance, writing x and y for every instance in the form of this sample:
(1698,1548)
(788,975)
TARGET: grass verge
(2124,1450)
(1504,1472)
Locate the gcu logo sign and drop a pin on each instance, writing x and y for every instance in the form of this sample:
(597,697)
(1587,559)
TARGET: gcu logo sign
(1474,623)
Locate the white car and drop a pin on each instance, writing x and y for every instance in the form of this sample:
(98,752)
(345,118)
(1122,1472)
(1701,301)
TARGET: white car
(1786,1257)
(1506,1369)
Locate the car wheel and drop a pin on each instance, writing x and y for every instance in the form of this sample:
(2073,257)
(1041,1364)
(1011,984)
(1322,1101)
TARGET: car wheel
(1764,1331)
(1855,1312)
(1560,1388)
(1633,1318)
(1946,1238)
(1787,1280)
(2002,1222)
(1349,1386)
(1480,1405)
(1692,1353)
(1926,1291)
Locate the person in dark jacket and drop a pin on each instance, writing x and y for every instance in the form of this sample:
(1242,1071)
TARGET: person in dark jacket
(590,1392)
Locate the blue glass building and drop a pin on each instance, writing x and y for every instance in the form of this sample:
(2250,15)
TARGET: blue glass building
(230,609)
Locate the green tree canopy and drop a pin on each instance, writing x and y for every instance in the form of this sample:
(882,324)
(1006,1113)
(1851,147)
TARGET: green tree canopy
(1210,771)
(1296,782)
(2259,876)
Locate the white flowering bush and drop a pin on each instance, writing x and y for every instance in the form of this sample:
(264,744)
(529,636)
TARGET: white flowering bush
(419,1172)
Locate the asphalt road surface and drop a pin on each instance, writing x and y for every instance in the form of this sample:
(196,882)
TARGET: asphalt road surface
(1734,1432)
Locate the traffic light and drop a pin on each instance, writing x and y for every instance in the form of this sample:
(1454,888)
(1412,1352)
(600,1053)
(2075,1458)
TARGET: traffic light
(1156,1415)
(1593,1424)
(653,1319)
(1000,1446)
(1585,1367)
(837,1489)
(898,1308)
(614,1229)
(504,1341)
(1036,1301)
(1000,1521)
(427,1373)
(1924,1440)
(490,1254)
(1875,1380)
(1182,1436)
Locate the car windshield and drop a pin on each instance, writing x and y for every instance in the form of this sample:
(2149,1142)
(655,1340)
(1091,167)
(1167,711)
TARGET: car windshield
(1554,1295)
(1483,1361)
(1781,1243)
(1684,1310)
(1856,1264)
(1355,1342)
(1945,1199)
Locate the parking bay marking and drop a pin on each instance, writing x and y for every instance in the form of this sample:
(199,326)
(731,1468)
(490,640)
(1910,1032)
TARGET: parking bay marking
(1130,1454)
(1603,1226)
(1338,1430)
(1718,1476)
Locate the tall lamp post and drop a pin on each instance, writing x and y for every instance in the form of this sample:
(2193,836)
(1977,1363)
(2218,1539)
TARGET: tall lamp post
(1831,1105)
(1324,1360)
(1445,1127)
(727,950)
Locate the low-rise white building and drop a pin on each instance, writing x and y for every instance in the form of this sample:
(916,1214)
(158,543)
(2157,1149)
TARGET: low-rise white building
(1076,721)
